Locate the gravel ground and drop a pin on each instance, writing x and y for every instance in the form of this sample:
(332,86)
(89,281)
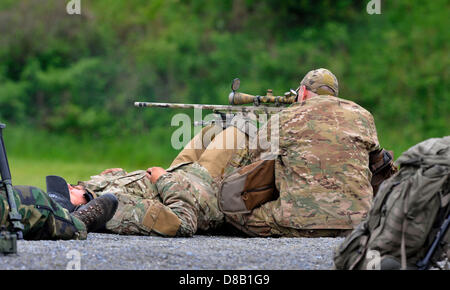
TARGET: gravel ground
(106,251)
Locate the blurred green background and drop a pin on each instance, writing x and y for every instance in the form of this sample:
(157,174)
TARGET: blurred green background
(68,82)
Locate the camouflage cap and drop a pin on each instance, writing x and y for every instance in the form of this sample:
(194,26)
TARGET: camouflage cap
(321,81)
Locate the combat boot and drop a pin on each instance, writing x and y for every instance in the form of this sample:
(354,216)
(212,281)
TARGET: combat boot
(96,213)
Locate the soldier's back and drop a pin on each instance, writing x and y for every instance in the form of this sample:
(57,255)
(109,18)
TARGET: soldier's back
(322,171)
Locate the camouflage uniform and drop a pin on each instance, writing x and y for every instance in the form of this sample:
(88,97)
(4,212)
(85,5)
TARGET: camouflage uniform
(43,219)
(180,203)
(321,170)
(186,191)
(211,147)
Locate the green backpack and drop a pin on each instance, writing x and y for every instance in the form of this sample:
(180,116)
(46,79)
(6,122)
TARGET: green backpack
(407,224)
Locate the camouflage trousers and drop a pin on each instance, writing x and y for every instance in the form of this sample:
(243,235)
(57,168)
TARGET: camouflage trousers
(179,204)
(43,219)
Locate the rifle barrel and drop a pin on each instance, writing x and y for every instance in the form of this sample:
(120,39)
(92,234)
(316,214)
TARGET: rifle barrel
(215,108)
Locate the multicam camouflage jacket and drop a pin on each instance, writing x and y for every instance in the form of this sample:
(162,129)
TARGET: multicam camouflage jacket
(321,168)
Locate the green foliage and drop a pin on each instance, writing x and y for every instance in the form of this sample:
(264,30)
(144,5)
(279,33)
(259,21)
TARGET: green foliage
(75,77)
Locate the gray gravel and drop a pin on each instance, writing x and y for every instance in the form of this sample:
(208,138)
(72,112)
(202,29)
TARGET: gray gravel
(106,251)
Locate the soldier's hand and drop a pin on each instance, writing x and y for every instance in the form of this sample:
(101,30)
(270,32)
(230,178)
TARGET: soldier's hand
(155,173)
(111,170)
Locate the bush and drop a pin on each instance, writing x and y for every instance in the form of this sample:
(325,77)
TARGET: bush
(79,75)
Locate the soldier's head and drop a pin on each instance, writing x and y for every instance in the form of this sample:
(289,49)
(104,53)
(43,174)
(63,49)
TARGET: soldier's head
(321,81)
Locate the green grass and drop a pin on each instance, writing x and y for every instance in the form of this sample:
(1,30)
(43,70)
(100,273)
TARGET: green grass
(149,148)
(33,172)
(35,154)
